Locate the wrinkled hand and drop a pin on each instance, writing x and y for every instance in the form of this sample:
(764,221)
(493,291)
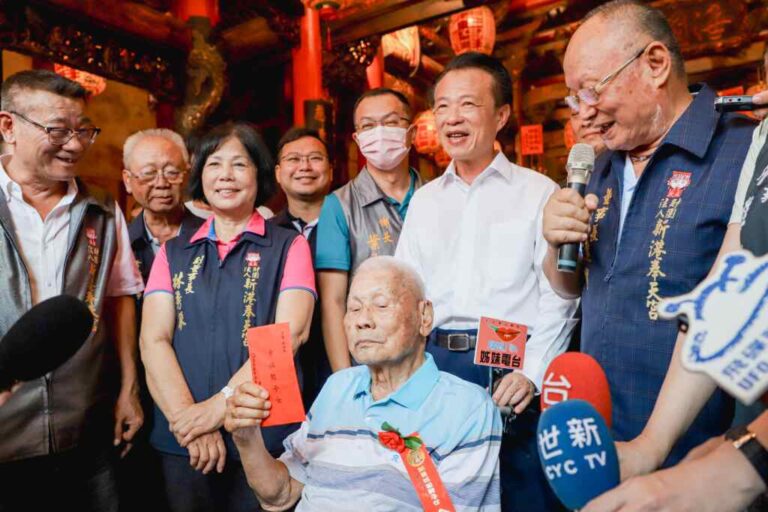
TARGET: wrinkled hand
(208,452)
(722,481)
(246,409)
(761,98)
(514,390)
(199,419)
(566,217)
(128,419)
(636,458)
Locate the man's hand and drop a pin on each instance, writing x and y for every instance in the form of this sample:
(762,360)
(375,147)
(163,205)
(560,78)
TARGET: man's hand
(128,419)
(208,452)
(514,390)
(246,409)
(761,98)
(199,419)
(722,481)
(566,217)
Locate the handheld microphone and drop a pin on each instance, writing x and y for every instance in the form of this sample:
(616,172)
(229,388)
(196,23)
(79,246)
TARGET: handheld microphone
(574,375)
(581,161)
(577,453)
(43,339)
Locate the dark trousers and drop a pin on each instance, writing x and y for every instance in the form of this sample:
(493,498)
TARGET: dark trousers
(189,490)
(76,480)
(524,487)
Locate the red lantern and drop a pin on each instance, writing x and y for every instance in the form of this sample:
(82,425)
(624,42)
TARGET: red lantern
(473,30)
(442,158)
(94,84)
(327,8)
(426,140)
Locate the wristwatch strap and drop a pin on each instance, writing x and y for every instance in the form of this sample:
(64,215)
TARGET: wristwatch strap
(746,442)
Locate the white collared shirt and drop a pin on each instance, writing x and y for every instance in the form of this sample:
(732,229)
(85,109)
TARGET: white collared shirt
(479,249)
(43,243)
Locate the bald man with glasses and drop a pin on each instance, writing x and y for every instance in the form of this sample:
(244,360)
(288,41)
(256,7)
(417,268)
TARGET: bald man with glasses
(657,207)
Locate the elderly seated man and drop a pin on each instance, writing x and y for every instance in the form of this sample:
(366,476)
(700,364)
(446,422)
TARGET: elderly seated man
(336,461)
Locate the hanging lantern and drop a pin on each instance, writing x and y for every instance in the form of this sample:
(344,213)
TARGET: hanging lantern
(473,30)
(442,158)
(327,8)
(426,140)
(94,84)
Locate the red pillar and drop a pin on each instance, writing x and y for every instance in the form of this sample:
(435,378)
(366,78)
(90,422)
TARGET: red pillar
(307,63)
(185,9)
(375,71)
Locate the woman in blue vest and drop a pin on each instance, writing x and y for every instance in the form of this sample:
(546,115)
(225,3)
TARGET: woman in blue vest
(202,295)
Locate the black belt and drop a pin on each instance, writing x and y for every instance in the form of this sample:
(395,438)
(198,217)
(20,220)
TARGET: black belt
(456,342)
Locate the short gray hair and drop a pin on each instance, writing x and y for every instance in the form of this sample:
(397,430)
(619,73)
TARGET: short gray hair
(165,133)
(411,278)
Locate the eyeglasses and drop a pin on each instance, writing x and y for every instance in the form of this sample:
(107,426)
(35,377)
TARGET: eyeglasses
(294,159)
(60,136)
(391,121)
(150,174)
(591,95)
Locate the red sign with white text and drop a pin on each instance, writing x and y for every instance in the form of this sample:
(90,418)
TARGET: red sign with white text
(500,344)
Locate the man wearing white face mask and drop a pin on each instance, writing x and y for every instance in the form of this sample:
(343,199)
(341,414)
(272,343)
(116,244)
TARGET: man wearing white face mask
(364,217)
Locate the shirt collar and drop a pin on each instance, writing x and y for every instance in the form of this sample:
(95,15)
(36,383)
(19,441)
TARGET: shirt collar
(11,188)
(415,390)
(370,192)
(500,164)
(694,130)
(256,225)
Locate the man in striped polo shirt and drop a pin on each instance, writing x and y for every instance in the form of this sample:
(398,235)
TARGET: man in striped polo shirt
(335,461)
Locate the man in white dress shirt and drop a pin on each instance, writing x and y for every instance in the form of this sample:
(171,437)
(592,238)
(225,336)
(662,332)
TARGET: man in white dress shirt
(474,235)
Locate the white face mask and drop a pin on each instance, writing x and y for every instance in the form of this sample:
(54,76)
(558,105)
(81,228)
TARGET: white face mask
(383,147)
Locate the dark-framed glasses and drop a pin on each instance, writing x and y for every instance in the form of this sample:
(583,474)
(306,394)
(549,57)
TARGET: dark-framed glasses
(294,159)
(59,136)
(591,95)
(149,175)
(390,121)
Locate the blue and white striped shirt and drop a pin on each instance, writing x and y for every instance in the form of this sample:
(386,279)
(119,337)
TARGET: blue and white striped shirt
(336,453)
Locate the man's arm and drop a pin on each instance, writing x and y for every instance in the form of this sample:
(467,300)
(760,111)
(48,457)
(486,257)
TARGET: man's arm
(721,481)
(269,478)
(333,300)
(121,319)
(669,420)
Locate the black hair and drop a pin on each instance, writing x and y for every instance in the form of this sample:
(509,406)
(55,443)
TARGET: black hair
(38,80)
(382,91)
(502,81)
(648,20)
(296,133)
(210,142)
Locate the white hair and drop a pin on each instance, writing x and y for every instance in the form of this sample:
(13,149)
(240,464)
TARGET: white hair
(410,277)
(165,133)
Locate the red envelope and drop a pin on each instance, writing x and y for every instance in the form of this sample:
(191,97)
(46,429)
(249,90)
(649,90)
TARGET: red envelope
(269,348)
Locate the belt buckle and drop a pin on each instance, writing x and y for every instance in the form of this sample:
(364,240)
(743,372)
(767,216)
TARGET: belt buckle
(458,342)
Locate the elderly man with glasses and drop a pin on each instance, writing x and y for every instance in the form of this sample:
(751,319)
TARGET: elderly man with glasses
(657,206)
(364,217)
(63,237)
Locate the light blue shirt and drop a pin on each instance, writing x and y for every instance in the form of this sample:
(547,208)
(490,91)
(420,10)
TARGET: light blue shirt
(629,184)
(336,453)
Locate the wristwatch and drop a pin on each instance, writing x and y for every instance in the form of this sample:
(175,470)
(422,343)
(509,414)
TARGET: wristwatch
(746,442)
(227,391)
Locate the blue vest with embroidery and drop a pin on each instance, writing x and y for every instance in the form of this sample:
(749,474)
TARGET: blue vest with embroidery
(216,302)
(672,233)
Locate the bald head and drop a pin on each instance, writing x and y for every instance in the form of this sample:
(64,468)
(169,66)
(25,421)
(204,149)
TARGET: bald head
(387,315)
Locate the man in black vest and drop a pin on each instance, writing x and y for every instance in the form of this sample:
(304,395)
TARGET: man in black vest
(304,173)
(58,433)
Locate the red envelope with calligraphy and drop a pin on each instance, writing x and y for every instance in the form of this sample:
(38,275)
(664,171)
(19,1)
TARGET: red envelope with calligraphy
(269,348)
(500,344)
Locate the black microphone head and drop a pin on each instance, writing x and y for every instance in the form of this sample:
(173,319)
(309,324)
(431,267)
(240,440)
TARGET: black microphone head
(581,161)
(44,338)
